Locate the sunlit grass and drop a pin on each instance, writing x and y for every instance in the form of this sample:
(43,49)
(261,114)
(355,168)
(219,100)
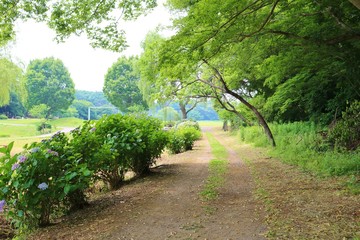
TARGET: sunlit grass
(66,122)
(17,131)
(23,131)
(298,144)
(217,169)
(19,143)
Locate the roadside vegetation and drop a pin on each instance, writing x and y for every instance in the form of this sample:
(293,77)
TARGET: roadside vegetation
(324,151)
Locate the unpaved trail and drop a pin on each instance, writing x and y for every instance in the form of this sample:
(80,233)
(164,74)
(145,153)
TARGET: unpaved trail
(167,205)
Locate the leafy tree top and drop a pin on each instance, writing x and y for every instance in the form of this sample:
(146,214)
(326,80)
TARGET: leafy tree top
(48,82)
(98,19)
(121,85)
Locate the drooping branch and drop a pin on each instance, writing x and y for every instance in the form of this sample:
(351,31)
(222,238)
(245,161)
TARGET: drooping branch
(258,115)
(231,109)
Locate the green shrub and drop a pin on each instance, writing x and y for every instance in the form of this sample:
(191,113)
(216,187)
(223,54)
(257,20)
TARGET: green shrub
(176,142)
(3,117)
(154,140)
(188,123)
(44,127)
(346,132)
(119,143)
(190,135)
(183,137)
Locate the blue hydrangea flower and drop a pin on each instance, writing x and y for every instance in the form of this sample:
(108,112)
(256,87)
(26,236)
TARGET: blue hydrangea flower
(35,149)
(15,166)
(2,205)
(43,186)
(21,158)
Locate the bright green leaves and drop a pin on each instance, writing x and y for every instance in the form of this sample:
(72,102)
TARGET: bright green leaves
(48,82)
(121,86)
(98,19)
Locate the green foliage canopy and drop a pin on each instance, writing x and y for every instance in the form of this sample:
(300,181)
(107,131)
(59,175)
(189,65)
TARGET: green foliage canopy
(48,82)
(97,19)
(301,57)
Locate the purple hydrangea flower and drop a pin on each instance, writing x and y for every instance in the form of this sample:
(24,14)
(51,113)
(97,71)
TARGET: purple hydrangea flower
(35,149)
(52,152)
(2,205)
(93,129)
(15,166)
(43,186)
(21,158)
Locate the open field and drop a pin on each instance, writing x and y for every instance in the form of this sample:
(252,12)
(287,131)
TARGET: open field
(22,131)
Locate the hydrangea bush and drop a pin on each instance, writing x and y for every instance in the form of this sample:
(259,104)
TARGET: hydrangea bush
(40,180)
(183,136)
(51,176)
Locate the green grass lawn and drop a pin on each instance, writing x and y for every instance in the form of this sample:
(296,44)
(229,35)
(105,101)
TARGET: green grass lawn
(22,131)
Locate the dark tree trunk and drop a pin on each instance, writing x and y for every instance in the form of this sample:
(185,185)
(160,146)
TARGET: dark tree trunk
(356,3)
(258,115)
(225,126)
(183,110)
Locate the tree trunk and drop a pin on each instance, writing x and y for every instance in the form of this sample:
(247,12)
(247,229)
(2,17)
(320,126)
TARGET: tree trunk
(183,110)
(356,3)
(258,115)
(225,126)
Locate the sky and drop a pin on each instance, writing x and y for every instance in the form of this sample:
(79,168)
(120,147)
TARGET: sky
(87,66)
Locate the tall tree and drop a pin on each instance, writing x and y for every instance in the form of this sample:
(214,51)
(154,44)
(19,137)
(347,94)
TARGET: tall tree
(48,82)
(11,80)
(121,85)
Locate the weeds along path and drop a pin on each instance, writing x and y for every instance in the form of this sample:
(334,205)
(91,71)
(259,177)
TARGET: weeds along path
(168,205)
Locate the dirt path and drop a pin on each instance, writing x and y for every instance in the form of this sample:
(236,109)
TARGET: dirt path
(167,205)
(298,204)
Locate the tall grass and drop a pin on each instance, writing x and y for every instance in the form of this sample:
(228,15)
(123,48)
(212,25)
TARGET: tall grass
(300,144)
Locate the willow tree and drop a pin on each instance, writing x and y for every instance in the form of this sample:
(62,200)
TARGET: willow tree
(11,80)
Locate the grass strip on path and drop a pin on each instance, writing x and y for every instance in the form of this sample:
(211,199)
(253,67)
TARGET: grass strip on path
(217,169)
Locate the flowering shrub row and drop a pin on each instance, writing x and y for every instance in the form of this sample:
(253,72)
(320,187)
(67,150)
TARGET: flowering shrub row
(51,176)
